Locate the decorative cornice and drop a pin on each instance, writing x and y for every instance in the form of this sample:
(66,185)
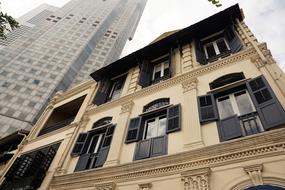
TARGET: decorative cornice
(194,73)
(235,151)
(189,85)
(255,173)
(105,186)
(145,186)
(196,179)
(127,107)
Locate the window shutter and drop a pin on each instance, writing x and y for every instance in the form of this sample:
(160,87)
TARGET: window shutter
(82,162)
(143,149)
(38,178)
(11,172)
(229,128)
(233,39)
(37,161)
(145,74)
(200,54)
(133,130)
(23,167)
(173,118)
(48,159)
(207,108)
(267,105)
(102,92)
(79,145)
(159,146)
(103,152)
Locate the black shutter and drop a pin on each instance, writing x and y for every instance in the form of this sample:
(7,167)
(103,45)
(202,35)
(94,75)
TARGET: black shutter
(143,149)
(233,39)
(102,92)
(48,159)
(103,152)
(37,161)
(38,178)
(200,54)
(207,108)
(145,73)
(173,118)
(79,145)
(133,130)
(229,128)
(82,162)
(267,105)
(158,146)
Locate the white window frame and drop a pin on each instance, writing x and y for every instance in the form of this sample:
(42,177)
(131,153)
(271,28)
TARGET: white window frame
(97,144)
(162,66)
(214,43)
(156,120)
(234,103)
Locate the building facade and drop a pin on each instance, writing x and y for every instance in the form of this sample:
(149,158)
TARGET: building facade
(200,109)
(60,50)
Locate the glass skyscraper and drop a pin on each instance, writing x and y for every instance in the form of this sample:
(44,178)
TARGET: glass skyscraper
(61,49)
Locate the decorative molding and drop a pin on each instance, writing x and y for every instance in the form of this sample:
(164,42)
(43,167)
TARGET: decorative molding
(127,107)
(254,173)
(196,179)
(189,85)
(194,73)
(235,151)
(257,62)
(145,186)
(105,186)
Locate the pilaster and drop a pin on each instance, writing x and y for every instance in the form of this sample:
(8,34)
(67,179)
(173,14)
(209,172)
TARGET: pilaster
(196,179)
(105,186)
(190,119)
(119,135)
(187,62)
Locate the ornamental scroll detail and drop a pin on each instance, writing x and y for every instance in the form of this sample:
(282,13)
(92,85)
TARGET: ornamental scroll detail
(196,179)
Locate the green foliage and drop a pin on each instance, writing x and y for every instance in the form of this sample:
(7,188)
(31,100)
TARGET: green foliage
(215,2)
(7,23)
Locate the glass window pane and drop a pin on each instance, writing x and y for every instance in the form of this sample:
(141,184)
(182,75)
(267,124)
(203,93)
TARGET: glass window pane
(243,103)
(92,144)
(222,46)
(162,126)
(225,107)
(151,129)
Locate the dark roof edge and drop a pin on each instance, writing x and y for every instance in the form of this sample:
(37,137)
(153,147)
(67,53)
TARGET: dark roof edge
(129,61)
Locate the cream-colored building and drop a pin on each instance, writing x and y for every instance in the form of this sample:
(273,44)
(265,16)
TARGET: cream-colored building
(201,108)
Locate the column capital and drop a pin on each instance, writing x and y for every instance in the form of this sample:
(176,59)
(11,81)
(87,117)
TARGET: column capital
(105,186)
(255,173)
(189,85)
(145,186)
(196,179)
(127,107)
(258,62)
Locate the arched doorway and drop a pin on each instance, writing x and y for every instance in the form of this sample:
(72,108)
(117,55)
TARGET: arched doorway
(265,187)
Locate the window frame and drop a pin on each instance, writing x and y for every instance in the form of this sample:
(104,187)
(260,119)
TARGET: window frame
(216,48)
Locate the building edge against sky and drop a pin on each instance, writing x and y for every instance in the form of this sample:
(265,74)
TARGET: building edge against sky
(58,48)
(200,109)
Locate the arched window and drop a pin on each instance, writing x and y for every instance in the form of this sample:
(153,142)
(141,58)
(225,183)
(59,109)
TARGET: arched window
(265,187)
(226,79)
(101,122)
(156,104)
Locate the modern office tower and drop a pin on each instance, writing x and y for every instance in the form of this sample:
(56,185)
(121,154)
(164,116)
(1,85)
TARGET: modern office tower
(27,22)
(199,109)
(59,51)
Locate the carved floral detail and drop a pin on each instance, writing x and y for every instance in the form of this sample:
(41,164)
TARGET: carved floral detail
(196,179)
(105,186)
(255,173)
(145,186)
(189,85)
(127,107)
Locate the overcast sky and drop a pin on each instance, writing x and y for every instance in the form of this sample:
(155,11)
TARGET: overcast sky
(266,18)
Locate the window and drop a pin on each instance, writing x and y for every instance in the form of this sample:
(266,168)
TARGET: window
(219,45)
(150,131)
(216,48)
(29,170)
(93,146)
(154,71)
(242,109)
(109,90)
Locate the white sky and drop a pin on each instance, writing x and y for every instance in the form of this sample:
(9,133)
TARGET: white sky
(266,18)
